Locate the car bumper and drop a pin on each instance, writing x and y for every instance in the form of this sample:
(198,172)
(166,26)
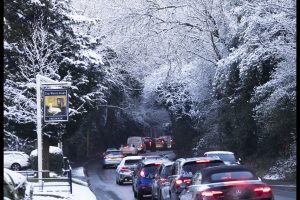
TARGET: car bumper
(145,190)
(111,162)
(125,177)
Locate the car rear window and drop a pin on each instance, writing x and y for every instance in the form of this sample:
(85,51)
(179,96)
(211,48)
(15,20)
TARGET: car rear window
(134,140)
(190,168)
(150,169)
(230,176)
(131,162)
(114,153)
(166,172)
(225,157)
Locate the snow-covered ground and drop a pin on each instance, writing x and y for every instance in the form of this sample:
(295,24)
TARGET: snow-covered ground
(80,189)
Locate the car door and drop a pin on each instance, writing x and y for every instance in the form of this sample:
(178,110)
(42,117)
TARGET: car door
(8,159)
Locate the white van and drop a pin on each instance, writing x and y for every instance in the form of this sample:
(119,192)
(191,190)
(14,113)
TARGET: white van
(137,141)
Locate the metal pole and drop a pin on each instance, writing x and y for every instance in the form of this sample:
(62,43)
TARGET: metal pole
(39,128)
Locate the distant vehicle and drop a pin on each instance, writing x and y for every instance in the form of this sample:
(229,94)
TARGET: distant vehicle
(150,143)
(226,183)
(160,143)
(129,150)
(112,158)
(16,160)
(228,157)
(183,169)
(125,169)
(169,140)
(143,176)
(160,184)
(15,186)
(137,142)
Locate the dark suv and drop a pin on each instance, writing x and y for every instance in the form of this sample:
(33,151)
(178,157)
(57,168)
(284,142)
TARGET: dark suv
(150,143)
(143,176)
(183,169)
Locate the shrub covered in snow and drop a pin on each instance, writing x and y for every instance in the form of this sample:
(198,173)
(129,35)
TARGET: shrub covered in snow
(55,159)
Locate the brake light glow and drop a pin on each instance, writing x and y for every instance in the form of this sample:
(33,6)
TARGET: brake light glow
(157,164)
(142,173)
(187,181)
(202,161)
(163,180)
(263,189)
(179,181)
(234,183)
(124,169)
(211,193)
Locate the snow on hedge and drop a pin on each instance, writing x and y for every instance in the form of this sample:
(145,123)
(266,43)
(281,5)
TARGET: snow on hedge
(52,150)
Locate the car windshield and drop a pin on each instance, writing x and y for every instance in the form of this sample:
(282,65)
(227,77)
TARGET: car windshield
(231,176)
(190,168)
(224,157)
(114,153)
(132,162)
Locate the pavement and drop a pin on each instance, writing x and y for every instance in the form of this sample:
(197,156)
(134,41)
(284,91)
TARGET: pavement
(61,190)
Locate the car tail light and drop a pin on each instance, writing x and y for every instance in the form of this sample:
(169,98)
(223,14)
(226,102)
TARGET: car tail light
(210,193)
(162,180)
(124,169)
(227,183)
(264,189)
(142,173)
(202,161)
(186,180)
(178,182)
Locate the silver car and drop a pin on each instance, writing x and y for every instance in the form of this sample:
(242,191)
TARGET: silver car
(125,169)
(112,158)
(160,183)
(16,160)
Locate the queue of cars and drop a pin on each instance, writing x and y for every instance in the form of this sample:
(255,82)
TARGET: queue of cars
(211,177)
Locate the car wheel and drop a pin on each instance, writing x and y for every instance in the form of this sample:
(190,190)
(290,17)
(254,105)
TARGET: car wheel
(139,196)
(120,182)
(160,195)
(15,167)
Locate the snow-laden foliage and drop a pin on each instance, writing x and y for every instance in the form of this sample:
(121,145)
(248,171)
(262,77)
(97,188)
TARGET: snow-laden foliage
(54,40)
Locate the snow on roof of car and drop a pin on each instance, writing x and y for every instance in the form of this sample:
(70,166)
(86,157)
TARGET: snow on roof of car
(52,150)
(219,152)
(15,152)
(132,157)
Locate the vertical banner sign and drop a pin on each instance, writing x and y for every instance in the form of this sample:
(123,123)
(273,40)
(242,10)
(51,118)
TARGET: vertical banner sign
(56,105)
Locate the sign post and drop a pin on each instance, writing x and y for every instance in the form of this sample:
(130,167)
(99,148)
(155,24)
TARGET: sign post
(42,81)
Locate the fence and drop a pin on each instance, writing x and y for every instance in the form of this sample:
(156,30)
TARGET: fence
(32,176)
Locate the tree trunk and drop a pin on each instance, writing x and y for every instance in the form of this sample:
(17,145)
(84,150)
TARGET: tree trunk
(87,141)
